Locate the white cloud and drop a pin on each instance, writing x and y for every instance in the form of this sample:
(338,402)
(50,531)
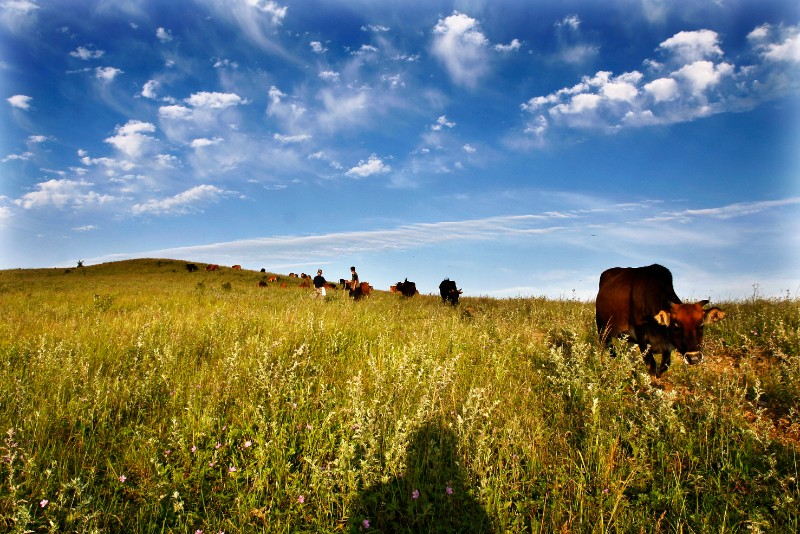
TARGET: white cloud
(188,201)
(442,122)
(375,28)
(291,139)
(107,74)
(701,75)
(174,112)
(164,35)
(513,46)
(86,228)
(25,156)
(623,91)
(469,149)
(461,46)
(149,89)
(693,45)
(786,49)
(572,22)
(329,75)
(662,89)
(86,54)
(20,101)
(61,193)
(204,142)
(273,9)
(130,139)
(373,165)
(214,100)
(36,139)
(317,47)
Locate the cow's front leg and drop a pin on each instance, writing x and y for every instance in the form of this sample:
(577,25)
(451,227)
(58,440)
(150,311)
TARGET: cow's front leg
(649,360)
(666,360)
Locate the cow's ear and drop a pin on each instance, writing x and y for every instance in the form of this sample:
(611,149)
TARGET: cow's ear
(713,315)
(662,318)
(703,302)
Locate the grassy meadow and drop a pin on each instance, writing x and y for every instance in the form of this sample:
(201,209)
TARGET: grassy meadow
(138,397)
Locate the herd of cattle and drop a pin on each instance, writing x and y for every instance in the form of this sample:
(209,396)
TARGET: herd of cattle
(638,304)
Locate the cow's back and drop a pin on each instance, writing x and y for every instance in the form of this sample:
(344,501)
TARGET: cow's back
(631,296)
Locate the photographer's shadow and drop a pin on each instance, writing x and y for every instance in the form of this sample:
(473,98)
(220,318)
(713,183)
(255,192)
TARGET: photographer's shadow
(431,496)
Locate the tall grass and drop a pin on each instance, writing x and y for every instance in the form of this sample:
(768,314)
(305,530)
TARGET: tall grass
(138,397)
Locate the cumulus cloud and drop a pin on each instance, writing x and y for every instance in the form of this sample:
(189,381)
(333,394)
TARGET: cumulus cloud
(24,156)
(107,74)
(20,101)
(174,112)
(188,201)
(694,81)
(329,75)
(131,138)
(691,46)
(317,47)
(513,46)
(163,35)
(442,122)
(149,89)
(62,194)
(372,166)
(86,54)
(461,46)
(202,142)
(213,100)
(291,139)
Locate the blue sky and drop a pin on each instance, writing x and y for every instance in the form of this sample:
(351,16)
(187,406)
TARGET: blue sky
(519,148)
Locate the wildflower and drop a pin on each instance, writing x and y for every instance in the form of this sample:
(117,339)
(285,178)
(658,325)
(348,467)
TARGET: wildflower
(448,490)
(218,445)
(194,449)
(211,464)
(167,452)
(415,494)
(247,444)
(232,469)
(123,478)
(365,523)
(198,531)
(605,491)
(43,503)
(301,499)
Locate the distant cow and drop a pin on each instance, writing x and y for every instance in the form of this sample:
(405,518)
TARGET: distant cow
(212,267)
(263,270)
(272,278)
(237,267)
(191,267)
(262,283)
(407,289)
(362,290)
(331,285)
(641,303)
(449,291)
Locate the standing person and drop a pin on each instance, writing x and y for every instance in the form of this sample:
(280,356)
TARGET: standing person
(319,285)
(353,278)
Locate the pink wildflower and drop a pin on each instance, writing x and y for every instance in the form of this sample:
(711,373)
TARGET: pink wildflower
(301,499)
(247,444)
(43,503)
(123,478)
(365,523)
(448,490)
(415,494)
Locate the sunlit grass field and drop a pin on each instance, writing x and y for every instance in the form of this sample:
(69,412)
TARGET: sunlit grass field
(138,397)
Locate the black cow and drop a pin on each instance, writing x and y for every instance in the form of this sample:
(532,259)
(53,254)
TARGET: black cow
(449,291)
(641,303)
(191,267)
(407,289)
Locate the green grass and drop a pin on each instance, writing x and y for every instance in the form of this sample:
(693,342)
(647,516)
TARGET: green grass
(138,397)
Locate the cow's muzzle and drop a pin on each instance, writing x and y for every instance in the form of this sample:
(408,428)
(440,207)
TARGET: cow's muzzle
(692,358)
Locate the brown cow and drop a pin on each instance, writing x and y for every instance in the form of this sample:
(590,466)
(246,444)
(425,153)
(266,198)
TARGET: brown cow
(237,267)
(212,267)
(362,290)
(262,283)
(272,278)
(641,303)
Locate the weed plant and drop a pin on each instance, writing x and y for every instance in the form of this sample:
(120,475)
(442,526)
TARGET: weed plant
(138,397)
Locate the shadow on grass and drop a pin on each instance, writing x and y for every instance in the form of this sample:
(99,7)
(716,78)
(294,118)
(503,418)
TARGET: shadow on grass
(432,495)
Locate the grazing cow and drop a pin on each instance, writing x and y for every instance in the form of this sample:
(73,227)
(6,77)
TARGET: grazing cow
(191,267)
(362,290)
(272,278)
(407,289)
(212,267)
(237,267)
(345,283)
(641,303)
(331,285)
(283,284)
(262,283)
(305,283)
(449,291)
